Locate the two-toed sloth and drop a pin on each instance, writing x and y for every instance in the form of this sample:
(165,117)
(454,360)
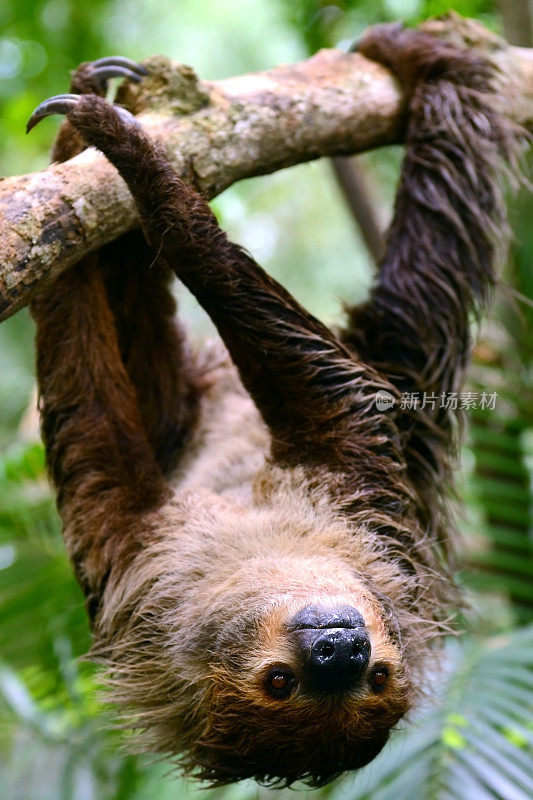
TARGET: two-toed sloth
(262,547)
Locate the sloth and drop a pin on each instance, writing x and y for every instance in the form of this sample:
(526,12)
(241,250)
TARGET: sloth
(261,528)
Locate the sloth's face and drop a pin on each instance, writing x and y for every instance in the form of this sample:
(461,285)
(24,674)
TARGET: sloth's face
(325,651)
(314,694)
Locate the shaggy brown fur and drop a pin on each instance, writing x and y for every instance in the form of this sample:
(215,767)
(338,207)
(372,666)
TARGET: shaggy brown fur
(201,513)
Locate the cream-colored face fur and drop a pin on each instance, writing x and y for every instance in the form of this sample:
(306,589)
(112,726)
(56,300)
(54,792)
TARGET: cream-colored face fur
(302,733)
(275,646)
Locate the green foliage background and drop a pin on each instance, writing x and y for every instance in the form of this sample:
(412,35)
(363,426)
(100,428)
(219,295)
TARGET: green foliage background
(474,739)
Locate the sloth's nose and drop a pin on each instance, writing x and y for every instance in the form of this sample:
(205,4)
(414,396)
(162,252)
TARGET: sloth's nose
(333,645)
(337,659)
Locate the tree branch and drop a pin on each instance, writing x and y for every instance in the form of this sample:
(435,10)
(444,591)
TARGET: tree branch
(216,134)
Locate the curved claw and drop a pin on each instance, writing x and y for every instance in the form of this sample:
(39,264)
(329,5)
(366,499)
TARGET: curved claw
(59,104)
(120,61)
(92,77)
(64,103)
(103,73)
(126,116)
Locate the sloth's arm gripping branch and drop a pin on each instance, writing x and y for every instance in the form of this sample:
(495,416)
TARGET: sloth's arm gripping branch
(445,243)
(98,452)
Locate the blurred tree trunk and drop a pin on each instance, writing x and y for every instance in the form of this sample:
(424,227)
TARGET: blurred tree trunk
(517,22)
(356,186)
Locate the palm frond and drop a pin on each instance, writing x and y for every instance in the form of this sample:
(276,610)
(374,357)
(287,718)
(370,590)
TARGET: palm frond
(474,742)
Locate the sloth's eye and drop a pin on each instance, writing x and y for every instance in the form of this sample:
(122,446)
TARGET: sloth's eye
(378,678)
(280,682)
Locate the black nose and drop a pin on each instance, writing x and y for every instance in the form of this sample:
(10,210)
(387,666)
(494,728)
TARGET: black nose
(336,659)
(333,645)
